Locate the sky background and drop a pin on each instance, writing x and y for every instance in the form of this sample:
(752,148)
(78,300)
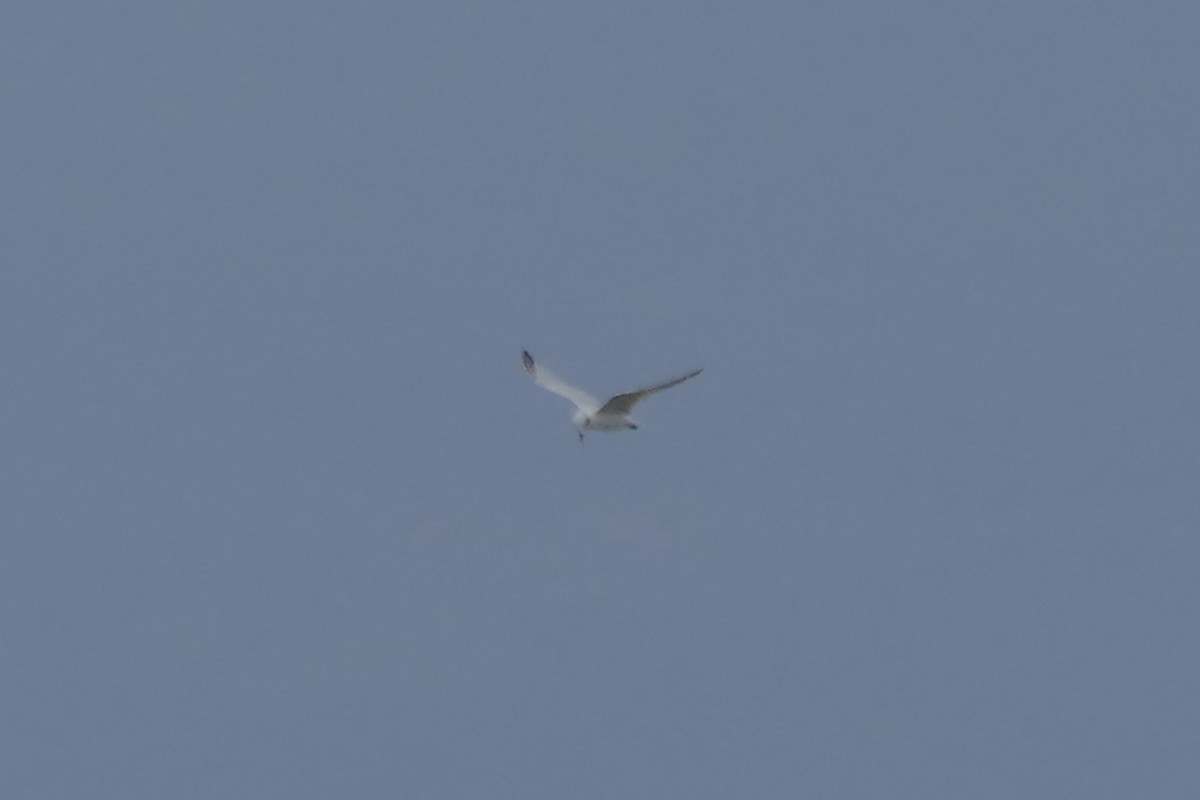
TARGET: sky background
(281,515)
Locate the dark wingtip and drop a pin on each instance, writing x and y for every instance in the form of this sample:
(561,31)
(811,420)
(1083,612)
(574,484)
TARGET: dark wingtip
(527,360)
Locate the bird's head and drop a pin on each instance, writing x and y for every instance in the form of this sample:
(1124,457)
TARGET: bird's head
(582,421)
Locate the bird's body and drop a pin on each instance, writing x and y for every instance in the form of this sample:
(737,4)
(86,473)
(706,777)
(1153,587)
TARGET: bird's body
(591,414)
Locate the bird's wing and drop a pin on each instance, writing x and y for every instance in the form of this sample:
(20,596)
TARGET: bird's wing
(624,403)
(551,382)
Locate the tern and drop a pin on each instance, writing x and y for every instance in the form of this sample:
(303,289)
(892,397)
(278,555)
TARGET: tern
(591,414)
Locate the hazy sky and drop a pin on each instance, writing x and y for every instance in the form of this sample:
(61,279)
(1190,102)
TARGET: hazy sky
(281,515)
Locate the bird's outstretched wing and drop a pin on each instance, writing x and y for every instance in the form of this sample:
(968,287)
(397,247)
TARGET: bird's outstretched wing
(552,383)
(624,403)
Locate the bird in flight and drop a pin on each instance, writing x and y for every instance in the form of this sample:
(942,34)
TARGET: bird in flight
(591,414)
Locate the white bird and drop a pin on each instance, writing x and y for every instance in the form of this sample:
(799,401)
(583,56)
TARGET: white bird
(590,414)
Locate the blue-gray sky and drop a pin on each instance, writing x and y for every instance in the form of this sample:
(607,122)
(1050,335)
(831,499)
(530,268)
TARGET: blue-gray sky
(281,515)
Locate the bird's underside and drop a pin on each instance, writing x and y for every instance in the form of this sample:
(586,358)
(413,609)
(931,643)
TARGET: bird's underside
(590,414)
